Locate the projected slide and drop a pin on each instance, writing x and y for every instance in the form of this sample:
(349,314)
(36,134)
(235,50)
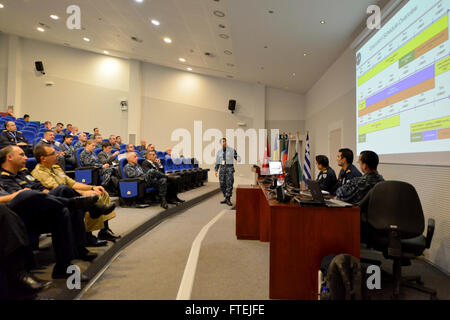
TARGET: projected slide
(403,82)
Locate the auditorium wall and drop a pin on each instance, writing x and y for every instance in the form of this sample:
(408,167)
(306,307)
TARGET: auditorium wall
(330,103)
(3,71)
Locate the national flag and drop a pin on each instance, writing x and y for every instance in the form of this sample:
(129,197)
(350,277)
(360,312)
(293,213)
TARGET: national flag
(276,153)
(286,152)
(307,164)
(265,164)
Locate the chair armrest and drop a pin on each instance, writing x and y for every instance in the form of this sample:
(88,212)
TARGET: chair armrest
(430,232)
(131,180)
(86,168)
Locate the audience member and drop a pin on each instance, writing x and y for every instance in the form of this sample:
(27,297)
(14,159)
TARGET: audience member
(26,118)
(152,178)
(69,128)
(98,141)
(51,176)
(113,141)
(59,128)
(11,137)
(130,148)
(74,131)
(9,111)
(69,150)
(110,174)
(119,140)
(48,125)
(81,143)
(49,140)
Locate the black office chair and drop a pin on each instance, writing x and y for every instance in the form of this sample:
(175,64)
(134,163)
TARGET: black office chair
(393,223)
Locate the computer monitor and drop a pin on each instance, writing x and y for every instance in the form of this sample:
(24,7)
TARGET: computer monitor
(292,173)
(275,168)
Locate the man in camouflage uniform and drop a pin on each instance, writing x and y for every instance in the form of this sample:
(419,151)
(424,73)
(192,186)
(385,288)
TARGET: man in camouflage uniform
(153,178)
(355,189)
(69,151)
(51,176)
(110,174)
(224,162)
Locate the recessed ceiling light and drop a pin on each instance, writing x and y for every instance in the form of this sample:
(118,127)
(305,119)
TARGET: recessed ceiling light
(106,52)
(322,21)
(86,39)
(228,52)
(224,36)
(139,1)
(219,14)
(293,74)
(182,59)
(155,22)
(54,17)
(189,69)
(305,54)
(1,6)
(167,40)
(40,29)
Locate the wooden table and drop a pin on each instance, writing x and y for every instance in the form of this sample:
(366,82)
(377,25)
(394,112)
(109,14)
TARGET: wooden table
(299,238)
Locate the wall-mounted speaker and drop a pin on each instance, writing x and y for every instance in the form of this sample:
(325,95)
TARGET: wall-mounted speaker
(232,105)
(39,66)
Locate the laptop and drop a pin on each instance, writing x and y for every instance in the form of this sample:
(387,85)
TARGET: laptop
(319,200)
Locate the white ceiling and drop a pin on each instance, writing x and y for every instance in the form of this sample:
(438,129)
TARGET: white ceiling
(293,28)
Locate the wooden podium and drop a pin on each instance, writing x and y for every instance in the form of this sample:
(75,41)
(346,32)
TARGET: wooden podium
(299,238)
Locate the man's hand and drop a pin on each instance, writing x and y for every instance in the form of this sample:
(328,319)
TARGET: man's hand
(22,144)
(215,173)
(45,191)
(99,189)
(115,154)
(17,192)
(105,165)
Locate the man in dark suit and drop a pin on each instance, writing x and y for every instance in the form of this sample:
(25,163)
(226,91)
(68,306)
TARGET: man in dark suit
(11,137)
(151,162)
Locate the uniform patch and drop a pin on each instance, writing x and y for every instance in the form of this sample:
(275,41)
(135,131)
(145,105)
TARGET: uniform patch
(30,178)
(348,171)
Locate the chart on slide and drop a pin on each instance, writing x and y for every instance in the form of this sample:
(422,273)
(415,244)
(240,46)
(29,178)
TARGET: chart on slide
(403,82)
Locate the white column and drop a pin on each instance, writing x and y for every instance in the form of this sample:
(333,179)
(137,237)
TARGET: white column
(135,102)
(259,116)
(13,85)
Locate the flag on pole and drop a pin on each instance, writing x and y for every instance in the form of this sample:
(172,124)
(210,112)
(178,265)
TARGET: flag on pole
(276,153)
(297,157)
(265,164)
(307,164)
(286,152)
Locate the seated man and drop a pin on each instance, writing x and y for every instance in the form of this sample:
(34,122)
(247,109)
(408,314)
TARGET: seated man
(98,141)
(110,174)
(114,144)
(48,125)
(9,111)
(60,211)
(152,178)
(169,152)
(51,176)
(16,256)
(130,148)
(49,140)
(96,131)
(105,156)
(81,143)
(69,150)
(59,128)
(326,178)
(355,189)
(348,171)
(74,131)
(119,140)
(151,162)
(143,146)
(11,137)
(69,128)
(26,118)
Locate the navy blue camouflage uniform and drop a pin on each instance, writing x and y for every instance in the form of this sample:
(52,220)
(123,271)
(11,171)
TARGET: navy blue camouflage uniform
(327,179)
(153,178)
(356,189)
(224,164)
(110,174)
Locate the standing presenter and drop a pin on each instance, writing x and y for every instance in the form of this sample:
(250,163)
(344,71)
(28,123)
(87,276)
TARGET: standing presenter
(224,165)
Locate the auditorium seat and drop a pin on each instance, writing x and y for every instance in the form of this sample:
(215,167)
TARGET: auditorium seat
(31,164)
(59,137)
(132,190)
(29,135)
(97,151)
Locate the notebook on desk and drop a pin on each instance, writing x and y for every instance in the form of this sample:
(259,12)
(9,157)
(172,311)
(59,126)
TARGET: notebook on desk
(319,200)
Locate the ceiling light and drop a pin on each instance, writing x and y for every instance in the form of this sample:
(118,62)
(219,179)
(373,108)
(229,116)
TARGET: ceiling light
(322,21)
(293,74)
(230,64)
(106,52)
(54,17)
(155,22)
(224,36)
(222,26)
(86,39)
(182,59)
(189,69)
(139,1)
(167,40)
(1,6)
(305,54)
(228,52)
(271,11)
(40,29)
(219,14)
